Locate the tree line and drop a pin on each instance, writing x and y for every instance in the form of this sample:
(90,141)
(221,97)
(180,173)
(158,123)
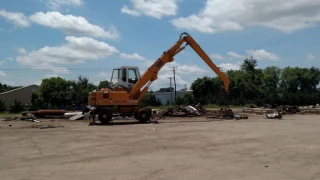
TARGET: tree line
(5,87)
(252,85)
(58,93)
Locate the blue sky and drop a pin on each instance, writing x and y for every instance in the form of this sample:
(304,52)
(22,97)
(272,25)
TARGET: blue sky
(68,38)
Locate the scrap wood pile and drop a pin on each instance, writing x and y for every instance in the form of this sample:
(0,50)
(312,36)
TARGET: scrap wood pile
(198,110)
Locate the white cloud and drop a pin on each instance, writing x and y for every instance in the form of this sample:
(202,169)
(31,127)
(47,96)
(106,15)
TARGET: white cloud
(235,55)
(185,74)
(22,50)
(105,74)
(2,62)
(126,10)
(164,81)
(69,24)
(52,75)
(217,56)
(182,69)
(2,74)
(38,82)
(55,4)
(18,19)
(76,51)
(311,57)
(234,15)
(153,8)
(135,56)
(229,66)
(262,55)
(9,58)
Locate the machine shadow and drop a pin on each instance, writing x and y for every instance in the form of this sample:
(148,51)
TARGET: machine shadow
(122,123)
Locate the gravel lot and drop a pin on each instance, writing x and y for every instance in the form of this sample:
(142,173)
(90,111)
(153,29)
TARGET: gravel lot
(177,148)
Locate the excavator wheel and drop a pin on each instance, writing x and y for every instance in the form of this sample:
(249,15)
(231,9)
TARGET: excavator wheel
(143,116)
(105,116)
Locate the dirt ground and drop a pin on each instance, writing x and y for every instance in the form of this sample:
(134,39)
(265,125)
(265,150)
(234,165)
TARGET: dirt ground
(177,148)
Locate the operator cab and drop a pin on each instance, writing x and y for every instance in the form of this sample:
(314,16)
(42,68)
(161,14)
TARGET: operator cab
(125,76)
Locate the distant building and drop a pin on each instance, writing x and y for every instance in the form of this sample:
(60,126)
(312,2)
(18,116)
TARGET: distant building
(22,94)
(164,97)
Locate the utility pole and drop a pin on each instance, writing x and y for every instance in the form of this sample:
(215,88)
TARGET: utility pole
(170,89)
(175,86)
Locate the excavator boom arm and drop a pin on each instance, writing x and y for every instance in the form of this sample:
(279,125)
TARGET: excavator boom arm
(151,74)
(195,46)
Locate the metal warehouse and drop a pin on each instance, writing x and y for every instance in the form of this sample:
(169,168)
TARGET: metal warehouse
(22,94)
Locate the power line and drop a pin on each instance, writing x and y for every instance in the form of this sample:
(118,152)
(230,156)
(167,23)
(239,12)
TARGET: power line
(175,85)
(185,86)
(59,69)
(170,89)
(24,69)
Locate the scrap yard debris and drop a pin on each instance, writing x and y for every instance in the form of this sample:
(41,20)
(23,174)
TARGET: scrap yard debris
(198,110)
(282,109)
(183,110)
(42,113)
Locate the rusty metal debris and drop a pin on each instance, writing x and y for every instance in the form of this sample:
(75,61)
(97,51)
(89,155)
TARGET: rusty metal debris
(29,117)
(198,110)
(286,109)
(42,113)
(224,114)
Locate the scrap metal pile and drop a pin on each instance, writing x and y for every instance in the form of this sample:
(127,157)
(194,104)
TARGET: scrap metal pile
(198,110)
(283,109)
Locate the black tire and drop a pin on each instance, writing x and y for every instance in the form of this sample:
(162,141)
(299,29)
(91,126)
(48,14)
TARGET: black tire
(143,116)
(105,117)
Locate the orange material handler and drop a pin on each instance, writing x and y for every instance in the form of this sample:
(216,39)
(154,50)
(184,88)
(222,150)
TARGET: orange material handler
(128,87)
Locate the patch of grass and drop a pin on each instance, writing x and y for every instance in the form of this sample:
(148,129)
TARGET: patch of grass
(9,114)
(161,107)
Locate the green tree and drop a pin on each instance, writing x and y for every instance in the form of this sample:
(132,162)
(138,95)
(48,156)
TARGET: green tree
(249,64)
(186,98)
(5,87)
(237,87)
(168,89)
(2,106)
(16,107)
(271,82)
(36,101)
(80,90)
(56,92)
(209,90)
(298,86)
(149,99)
(104,84)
